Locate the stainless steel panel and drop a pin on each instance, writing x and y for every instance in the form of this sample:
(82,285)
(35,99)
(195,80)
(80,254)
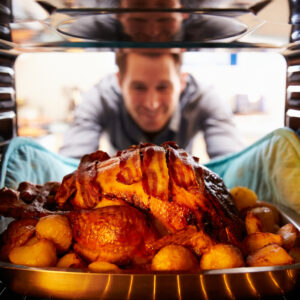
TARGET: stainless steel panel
(216,284)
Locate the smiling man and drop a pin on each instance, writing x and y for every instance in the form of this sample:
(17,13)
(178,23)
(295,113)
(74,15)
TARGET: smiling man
(150,100)
(151,85)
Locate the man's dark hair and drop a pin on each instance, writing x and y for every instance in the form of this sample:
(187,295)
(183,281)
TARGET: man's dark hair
(121,58)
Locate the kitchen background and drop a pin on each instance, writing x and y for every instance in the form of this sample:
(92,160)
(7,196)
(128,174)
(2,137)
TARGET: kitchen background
(49,85)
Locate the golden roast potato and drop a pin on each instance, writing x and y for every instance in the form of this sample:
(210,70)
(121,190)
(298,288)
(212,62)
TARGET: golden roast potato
(270,255)
(253,223)
(258,240)
(17,234)
(222,256)
(55,228)
(275,211)
(70,260)
(174,258)
(260,219)
(289,234)
(243,197)
(40,254)
(32,241)
(103,266)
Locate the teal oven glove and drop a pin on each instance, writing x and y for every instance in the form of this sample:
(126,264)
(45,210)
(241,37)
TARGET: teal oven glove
(26,160)
(270,167)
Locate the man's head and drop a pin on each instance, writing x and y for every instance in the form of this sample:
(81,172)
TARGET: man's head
(150,4)
(154,26)
(151,83)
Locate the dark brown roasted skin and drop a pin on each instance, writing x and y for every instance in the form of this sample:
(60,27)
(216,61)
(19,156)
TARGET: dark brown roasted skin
(30,200)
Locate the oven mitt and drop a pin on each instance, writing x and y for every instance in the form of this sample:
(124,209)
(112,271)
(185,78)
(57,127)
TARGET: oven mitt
(26,160)
(270,167)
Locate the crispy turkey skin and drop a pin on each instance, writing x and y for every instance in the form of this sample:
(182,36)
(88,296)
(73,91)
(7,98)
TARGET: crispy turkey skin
(164,181)
(123,208)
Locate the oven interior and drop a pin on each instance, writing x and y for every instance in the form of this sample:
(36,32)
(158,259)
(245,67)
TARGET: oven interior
(38,32)
(31,30)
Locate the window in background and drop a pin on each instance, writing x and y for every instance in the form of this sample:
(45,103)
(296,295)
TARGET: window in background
(253,83)
(48,87)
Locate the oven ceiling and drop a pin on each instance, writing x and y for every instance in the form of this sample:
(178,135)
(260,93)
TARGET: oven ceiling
(56,25)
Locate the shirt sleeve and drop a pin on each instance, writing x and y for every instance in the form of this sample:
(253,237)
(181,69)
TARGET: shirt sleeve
(84,132)
(220,133)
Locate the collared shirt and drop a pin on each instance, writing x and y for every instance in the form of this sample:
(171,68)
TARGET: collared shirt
(102,111)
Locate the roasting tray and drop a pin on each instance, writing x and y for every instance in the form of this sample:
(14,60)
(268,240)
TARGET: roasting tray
(237,283)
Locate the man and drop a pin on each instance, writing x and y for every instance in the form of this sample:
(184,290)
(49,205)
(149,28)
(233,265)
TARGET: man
(153,26)
(150,100)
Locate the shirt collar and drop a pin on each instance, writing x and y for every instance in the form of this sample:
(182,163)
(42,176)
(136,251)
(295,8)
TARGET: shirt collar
(174,122)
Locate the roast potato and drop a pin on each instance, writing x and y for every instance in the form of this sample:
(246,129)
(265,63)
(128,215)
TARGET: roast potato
(270,255)
(32,241)
(70,260)
(275,211)
(253,223)
(103,266)
(17,234)
(289,234)
(174,258)
(243,197)
(57,229)
(222,256)
(258,240)
(40,254)
(260,219)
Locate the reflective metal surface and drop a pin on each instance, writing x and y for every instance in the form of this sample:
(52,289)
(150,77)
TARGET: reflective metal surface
(217,284)
(98,25)
(157,26)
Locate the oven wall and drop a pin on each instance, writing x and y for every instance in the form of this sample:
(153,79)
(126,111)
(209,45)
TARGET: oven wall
(292,102)
(8,121)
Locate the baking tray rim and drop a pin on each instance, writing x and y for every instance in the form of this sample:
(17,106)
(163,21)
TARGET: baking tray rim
(240,270)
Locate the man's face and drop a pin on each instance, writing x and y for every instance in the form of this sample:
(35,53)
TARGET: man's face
(154,26)
(151,88)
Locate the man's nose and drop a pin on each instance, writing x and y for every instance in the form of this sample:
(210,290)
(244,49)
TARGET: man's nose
(153,29)
(152,100)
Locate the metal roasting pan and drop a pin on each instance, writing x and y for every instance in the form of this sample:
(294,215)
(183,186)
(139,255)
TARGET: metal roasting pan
(237,283)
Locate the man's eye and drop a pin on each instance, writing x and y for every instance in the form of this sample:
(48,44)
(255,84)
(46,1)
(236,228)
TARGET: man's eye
(137,20)
(139,87)
(162,88)
(165,20)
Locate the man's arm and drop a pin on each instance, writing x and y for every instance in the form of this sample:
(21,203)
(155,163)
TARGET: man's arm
(84,132)
(220,132)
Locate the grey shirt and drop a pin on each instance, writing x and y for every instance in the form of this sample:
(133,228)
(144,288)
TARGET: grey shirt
(102,111)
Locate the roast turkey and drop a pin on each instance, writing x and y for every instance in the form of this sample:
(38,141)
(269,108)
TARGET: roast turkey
(124,207)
